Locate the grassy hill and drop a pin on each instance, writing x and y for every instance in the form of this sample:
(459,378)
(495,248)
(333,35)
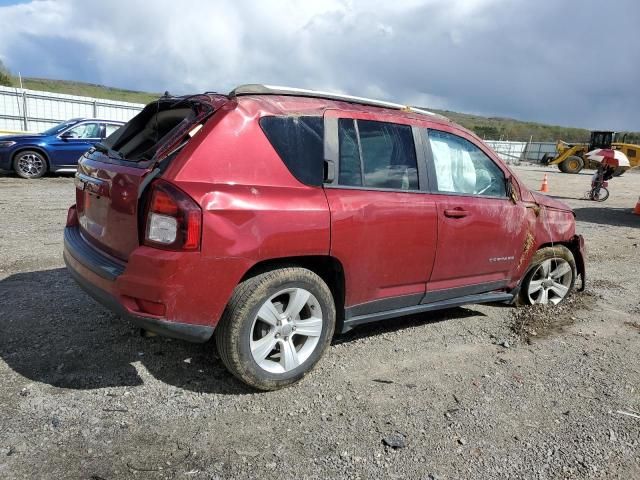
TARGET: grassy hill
(490,128)
(87,90)
(495,128)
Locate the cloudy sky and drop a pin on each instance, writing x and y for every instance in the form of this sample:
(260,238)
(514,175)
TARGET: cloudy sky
(567,62)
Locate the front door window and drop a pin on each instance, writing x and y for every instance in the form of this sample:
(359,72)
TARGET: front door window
(84,131)
(461,167)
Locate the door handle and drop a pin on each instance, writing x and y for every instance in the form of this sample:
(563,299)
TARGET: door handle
(455,212)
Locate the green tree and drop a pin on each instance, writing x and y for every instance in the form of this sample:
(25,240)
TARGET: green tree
(5,76)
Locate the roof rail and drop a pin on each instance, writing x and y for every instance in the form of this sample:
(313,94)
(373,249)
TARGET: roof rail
(259,89)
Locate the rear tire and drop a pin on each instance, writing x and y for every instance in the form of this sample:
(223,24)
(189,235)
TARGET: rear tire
(276,327)
(550,278)
(573,164)
(30,164)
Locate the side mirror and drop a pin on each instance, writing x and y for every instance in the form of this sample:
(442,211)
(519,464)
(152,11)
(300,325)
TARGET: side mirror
(67,135)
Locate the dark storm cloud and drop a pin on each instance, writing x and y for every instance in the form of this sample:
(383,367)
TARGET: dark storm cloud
(566,62)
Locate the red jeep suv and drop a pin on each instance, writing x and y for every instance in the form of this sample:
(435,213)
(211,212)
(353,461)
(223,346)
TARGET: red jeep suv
(271,217)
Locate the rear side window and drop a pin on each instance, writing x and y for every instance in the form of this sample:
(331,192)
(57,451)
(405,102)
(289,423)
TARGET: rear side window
(377,155)
(110,128)
(299,141)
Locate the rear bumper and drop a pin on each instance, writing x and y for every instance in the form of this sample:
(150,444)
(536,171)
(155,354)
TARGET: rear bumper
(97,275)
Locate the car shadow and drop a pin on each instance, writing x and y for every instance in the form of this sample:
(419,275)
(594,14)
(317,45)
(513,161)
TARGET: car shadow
(618,217)
(52,332)
(401,323)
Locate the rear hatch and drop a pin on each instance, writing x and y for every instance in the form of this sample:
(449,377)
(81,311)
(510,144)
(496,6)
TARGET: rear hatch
(113,175)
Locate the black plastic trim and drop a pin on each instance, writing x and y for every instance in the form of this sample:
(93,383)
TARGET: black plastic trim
(439,295)
(384,304)
(453,302)
(182,331)
(97,262)
(421,159)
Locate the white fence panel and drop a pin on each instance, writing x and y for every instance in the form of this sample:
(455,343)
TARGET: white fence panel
(34,111)
(510,152)
(514,152)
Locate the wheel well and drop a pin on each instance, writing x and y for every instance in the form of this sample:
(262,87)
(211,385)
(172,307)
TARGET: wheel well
(326,267)
(567,245)
(35,149)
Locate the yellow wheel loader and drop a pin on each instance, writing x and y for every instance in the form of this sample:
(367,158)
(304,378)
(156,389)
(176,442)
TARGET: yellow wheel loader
(571,157)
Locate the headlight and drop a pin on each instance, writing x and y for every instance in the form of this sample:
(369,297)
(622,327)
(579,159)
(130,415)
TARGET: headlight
(7,143)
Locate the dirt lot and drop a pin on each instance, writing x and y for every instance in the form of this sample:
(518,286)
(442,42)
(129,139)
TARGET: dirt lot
(479,392)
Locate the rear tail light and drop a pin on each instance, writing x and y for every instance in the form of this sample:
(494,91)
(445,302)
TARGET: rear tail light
(174,220)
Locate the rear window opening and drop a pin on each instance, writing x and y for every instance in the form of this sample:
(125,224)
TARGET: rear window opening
(161,128)
(139,141)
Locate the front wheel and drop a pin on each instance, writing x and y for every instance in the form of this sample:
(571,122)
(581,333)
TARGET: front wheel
(599,194)
(573,164)
(276,327)
(30,164)
(550,278)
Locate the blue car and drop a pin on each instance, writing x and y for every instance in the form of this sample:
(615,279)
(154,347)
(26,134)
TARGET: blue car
(54,150)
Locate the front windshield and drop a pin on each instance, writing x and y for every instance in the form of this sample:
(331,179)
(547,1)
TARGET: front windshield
(58,128)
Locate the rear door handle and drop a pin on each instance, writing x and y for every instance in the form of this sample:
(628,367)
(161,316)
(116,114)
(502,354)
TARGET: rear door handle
(455,212)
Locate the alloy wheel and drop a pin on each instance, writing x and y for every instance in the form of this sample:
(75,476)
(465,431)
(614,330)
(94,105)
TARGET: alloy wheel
(550,281)
(31,165)
(286,330)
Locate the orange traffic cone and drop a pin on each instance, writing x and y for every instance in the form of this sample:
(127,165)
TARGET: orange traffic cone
(636,210)
(545,184)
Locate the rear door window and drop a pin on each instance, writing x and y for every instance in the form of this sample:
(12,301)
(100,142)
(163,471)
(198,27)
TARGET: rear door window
(299,141)
(350,165)
(110,128)
(461,167)
(388,154)
(377,155)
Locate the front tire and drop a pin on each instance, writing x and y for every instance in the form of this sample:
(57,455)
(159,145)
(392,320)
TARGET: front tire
(276,327)
(29,164)
(550,278)
(573,164)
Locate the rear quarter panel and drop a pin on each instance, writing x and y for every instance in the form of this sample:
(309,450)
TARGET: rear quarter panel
(253,207)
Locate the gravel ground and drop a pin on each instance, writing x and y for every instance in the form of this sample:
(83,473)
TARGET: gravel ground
(479,392)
